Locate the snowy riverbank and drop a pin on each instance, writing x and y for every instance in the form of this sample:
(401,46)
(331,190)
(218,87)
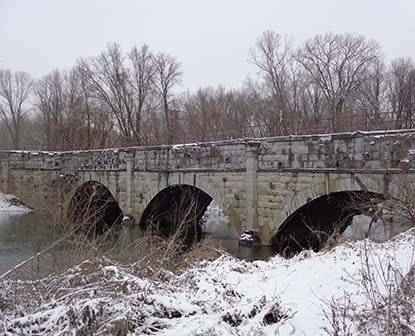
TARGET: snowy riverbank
(10,203)
(222,297)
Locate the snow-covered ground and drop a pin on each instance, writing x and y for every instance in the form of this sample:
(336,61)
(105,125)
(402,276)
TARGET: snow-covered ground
(10,203)
(225,296)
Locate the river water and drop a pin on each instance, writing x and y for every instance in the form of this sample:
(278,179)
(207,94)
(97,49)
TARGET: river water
(22,235)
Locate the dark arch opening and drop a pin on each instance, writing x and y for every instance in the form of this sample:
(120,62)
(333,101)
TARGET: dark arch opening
(177,209)
(311,225)
(94,209)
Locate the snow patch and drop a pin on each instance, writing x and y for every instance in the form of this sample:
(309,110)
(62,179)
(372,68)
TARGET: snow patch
(183,146)
(11,203)
(326,138)
(222,297)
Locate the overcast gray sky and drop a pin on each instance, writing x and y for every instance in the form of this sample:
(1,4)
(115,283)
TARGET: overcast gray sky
(211,38)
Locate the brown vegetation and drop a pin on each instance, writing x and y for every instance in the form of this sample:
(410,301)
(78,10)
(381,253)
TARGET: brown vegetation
(388,301)
(92,227)
(329,83)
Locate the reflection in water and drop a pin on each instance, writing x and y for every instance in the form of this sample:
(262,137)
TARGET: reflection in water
(22,235)
(218,229)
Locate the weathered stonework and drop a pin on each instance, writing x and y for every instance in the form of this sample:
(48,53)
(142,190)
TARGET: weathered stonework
(258,182)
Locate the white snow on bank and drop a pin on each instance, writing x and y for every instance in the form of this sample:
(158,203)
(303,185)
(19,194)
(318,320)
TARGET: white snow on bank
(222,297)
(10,203)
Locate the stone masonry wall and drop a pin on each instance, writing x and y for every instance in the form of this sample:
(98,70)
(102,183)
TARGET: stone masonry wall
(259,182)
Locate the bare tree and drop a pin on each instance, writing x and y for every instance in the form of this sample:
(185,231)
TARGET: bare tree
(168,74)
(88,121)
(124,84)
(272,55)
(143,73)
(69,117)
(108,80)
(311,105)
(334,82)
(15,89)
(51,102)
(216,113)
(340,64)
(198,115)
(370,99)
(401,92)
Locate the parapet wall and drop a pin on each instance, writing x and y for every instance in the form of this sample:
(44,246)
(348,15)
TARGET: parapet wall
(262,180)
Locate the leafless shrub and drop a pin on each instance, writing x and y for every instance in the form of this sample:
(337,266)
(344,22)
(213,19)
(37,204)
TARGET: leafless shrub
(82,234)
(335,239)
(338,317)
(147,255)
(157,254)
(100,296)
(64,241)
(388,294)
(389,301)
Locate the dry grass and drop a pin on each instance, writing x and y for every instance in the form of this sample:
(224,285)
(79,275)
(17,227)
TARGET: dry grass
(152,254)
(388,294)
(70,239)
(99,296)
(388,306)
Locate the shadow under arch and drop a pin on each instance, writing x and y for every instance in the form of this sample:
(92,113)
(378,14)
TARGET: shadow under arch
(312,224)
(93,208)
(177,209)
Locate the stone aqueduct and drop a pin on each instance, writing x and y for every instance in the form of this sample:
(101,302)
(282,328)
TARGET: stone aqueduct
(258,182)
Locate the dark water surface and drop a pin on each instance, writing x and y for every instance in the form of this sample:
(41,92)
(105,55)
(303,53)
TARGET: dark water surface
(22,235)
(231,245)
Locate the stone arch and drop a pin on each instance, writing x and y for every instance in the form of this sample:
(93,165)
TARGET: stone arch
(316,221)
(335,182)
(177,209)
(228,210)
(200,184)
(93,208)
(213,192)
(301,197)
(97,176)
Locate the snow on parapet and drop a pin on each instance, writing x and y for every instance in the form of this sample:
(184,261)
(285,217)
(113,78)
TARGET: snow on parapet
(292,137)
(183,146)
(326,138)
